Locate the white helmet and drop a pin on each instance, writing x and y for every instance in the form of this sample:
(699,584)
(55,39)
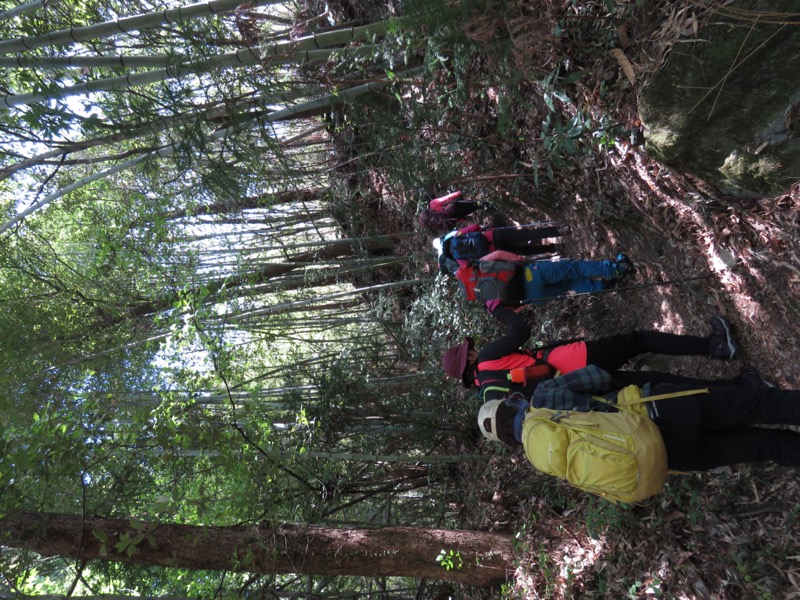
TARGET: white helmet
(489,411)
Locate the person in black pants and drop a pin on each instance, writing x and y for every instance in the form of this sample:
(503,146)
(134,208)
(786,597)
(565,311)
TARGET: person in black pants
(720,428)
(519,240)
(717,425)
(503,367)
(445,212)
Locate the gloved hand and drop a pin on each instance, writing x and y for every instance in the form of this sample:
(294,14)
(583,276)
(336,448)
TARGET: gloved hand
(491,305)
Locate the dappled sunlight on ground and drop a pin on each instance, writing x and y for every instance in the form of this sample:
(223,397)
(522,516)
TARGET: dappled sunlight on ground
(741,250)
(670,320)
(559,567)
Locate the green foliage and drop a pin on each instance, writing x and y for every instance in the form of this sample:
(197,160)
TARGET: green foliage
(156,362)
(450,560)
(562,139)
(602,517)
(438,318)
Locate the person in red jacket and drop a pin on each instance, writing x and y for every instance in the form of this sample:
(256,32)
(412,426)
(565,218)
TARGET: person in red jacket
(503,367)
(445,212)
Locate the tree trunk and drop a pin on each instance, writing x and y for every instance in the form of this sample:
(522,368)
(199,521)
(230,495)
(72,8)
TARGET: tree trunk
(247,56)
(305,109)
(478,558)
(236,59)
(126,25)
(334,249)
(24,8)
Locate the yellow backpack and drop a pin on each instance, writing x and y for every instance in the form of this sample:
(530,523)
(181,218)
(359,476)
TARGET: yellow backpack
(619,456)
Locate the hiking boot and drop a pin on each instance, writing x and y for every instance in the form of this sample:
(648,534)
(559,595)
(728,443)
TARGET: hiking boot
(748,375)
(624,266)
(636,136)
(720,342)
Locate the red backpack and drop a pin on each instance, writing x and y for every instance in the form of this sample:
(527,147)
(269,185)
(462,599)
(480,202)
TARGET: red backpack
(486,280)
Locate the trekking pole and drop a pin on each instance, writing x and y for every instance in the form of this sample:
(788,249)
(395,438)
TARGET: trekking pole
(615,289)
(536,225)
(544,256)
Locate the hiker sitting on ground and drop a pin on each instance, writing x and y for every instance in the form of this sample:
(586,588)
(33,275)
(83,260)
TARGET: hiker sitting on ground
(502,366)
(445,212)
(511,279)
(708,428)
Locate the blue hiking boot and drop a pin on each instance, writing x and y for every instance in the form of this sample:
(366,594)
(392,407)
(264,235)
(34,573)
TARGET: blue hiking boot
(624,266)
(720,342)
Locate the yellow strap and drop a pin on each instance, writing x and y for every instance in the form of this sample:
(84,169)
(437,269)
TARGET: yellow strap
(644,399)
(675,394)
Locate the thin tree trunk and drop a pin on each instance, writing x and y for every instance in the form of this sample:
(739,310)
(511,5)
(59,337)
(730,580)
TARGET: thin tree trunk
(331,250)
(239,58)
(480,559)
(293,112)
(166,62)
(216,114)
(387,459)
(125,25)
(26,8)
(246,316)
(266,200)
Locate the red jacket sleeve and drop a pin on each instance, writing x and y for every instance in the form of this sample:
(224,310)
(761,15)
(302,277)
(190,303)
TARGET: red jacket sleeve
(469,229)
(437,204)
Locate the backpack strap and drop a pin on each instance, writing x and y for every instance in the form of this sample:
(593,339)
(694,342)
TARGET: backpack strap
(631,395)
(675,394)
(517,400)
(503,390)
(445,245)
(630,398)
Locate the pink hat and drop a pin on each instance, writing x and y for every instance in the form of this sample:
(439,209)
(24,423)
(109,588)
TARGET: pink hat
(454,361)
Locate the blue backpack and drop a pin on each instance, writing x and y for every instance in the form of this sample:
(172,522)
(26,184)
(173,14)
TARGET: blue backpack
(469,246)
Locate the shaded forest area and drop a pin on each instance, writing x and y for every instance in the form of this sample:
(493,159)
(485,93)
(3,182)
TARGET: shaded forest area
(730,534)
(221,316)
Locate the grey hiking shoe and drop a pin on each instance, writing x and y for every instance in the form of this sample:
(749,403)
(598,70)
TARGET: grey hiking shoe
(748,375)
(720,342)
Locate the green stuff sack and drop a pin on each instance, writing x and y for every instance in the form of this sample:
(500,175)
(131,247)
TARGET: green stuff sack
(619,456)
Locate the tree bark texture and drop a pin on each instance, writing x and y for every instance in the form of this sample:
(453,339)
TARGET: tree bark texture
(481,559)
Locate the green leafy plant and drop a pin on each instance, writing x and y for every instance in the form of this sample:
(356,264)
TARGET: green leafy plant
(652,587)
(450,560)
(562,135)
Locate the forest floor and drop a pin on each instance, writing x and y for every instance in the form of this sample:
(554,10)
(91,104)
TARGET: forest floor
(732,533)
